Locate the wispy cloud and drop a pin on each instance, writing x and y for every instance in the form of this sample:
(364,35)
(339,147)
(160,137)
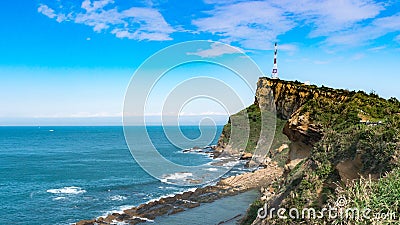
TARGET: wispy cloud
(363,34)
(215,50)
(329,16)
(208,113)
(45,10)
(358,56)
(174,114)
(375,49)
(255,24)
(95,5)
(80,115)
(320,62)
(251,24)
(139,23)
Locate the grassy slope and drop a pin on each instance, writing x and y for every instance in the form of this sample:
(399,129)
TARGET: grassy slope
(381,196)
(254,118)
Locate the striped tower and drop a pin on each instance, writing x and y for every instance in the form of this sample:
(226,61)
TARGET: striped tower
(274,74)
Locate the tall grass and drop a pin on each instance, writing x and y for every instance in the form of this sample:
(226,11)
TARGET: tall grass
(381,196)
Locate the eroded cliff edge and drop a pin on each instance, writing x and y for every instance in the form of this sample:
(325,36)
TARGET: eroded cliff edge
(336,136)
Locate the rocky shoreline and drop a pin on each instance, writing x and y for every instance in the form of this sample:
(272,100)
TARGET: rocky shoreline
(190,199)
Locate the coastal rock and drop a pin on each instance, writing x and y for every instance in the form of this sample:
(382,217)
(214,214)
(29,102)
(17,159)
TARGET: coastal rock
(246,156)
(176,210)
(158,210)
(282,147)
(86,222)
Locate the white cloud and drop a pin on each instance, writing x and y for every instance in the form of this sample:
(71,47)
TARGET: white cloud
(253,24)
(288,47)
(208,113)
(215,50)
(81,115)
(256,24)
(137,23)
(361,35)
(375,49)
(222,2)
(94,115)
(174,114)
(329,16)
(45,10)
(320,62)
(95,5)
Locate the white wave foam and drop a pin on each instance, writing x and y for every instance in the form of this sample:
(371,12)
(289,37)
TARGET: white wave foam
(59,198)
(116,222)
(120,210)
(223,158)
(230,164)
(212,169)
(67,190)
(191,189)
(176,176)
(170,195)
(167,188)
(117,198)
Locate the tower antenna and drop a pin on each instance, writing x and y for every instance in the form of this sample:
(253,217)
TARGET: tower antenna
(274,74)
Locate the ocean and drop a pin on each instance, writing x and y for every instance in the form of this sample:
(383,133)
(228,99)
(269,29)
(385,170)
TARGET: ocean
(60,175)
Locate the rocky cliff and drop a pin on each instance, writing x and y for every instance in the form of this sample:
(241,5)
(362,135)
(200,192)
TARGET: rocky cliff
(335,136)
(309,113)
(287,98)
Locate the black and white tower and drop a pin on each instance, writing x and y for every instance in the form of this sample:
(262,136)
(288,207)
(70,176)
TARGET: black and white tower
(274,74)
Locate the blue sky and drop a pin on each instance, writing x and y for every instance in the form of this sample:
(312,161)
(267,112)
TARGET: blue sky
(72,60)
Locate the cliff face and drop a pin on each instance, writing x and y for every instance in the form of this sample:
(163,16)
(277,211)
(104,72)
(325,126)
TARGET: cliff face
(290,96)
(311,112)
(287,97)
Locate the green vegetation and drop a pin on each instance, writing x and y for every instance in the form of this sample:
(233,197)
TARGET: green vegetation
(380,196)
(252,213)
(345,136)
(252,116)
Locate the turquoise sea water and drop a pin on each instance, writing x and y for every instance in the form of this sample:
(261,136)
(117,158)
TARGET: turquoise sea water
(225,211)
(59,175)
